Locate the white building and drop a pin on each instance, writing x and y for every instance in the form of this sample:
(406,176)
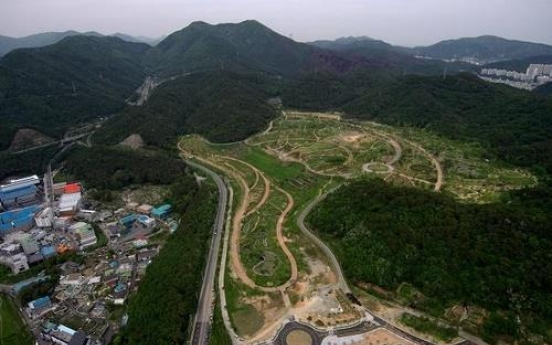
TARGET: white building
(12,256)
(70,203)
(45,218)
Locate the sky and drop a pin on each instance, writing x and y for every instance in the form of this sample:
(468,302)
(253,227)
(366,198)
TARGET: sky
(403,22)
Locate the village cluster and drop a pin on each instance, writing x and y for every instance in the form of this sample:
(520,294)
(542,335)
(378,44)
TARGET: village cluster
(101,255)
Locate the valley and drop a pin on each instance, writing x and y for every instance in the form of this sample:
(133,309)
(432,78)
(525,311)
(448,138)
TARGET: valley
(368,193)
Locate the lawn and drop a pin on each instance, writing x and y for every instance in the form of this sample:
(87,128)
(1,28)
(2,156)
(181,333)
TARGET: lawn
(12,329)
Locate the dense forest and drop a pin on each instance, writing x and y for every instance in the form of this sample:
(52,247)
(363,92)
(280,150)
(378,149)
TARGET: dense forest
(221,106)
(30,162)
(514,124)
(498,256)
(112,168)
(162,309)
(73,81)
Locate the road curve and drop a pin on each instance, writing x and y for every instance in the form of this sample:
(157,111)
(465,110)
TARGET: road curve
(335,263)
(203,319)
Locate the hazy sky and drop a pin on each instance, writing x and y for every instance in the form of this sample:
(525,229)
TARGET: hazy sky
(406,22)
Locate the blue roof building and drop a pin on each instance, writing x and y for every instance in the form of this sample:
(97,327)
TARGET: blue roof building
(161,211)
(18,196)
(39,303)
(48,251)
(128,220)
(17,219)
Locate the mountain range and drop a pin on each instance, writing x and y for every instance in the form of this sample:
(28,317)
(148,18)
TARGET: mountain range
(87,76)
(483,49)
(8,44)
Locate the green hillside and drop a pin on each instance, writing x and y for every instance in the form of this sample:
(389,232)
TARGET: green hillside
(243,47)
(455,253)
(514,124)
(223,107)
(36,85)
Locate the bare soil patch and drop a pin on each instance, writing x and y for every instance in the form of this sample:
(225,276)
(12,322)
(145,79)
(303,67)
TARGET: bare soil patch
(134,141)
(26,138)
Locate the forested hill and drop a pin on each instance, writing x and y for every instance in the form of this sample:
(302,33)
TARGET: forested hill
(484,49)
(246,46)
(74,80)
(221,106)
(515,124)
(496,256)
(395,59)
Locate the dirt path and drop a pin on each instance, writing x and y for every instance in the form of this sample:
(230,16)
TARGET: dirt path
(239,270)
(436,164)
(241,213)
(258,173)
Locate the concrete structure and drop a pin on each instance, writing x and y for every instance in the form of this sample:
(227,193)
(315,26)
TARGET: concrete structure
(16,261)
(84,234)
(29,245)
(45,218)
(87,215)
(535,75)
(62,335)
(146,222)
(62,223)
(72,279)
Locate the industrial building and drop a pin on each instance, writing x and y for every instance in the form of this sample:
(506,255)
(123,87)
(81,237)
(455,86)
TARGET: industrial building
(19,193)
(162,211)
(20,219)
(128,220)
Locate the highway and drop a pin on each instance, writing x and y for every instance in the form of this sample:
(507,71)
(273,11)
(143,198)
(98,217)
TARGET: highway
(203,319)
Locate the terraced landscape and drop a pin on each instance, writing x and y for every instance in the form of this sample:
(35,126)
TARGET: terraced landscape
(275,270)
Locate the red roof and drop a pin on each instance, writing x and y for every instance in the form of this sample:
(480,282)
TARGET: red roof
(72,188)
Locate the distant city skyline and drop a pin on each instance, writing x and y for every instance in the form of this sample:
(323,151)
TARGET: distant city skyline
(401,22)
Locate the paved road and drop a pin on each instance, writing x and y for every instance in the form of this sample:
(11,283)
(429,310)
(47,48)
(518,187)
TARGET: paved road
(335,263)
(203,318)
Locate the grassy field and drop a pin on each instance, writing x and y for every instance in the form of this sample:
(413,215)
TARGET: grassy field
(12,329)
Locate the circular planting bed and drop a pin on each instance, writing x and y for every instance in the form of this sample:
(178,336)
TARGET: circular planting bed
(299,337)
(377,168)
